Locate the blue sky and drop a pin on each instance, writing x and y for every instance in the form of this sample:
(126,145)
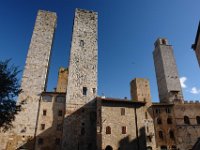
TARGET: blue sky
(127,31)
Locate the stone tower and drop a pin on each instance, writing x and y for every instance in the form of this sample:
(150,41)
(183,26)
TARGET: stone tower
(140,90)
(196,45)
(169,87)
(35,74)
(62,80)
(79,125)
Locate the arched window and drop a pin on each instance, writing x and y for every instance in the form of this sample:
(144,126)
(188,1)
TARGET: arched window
(186,120)
(160,133)
(149,148)
(169,120)
(163,147)
(159,121)
(198,119)
(108,130)
(171,134)
(173,147)
(109,147)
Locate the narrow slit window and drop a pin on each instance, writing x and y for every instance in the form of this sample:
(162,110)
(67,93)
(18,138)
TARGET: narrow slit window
(84,90)
(81,43)
(44,112)
(123,130)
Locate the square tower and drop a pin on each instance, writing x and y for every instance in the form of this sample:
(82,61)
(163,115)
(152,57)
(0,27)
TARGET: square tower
(62,80)
(169,86)
(79,130)
(140,90)
(196,45)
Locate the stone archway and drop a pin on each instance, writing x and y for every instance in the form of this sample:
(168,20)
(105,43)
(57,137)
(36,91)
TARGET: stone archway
(109,147)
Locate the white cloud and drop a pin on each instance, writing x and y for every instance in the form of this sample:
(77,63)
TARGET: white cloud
(194,90)
(182,81)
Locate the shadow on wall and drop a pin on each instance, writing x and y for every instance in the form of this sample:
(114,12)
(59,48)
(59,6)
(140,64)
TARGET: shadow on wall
(83,130)
(138,143)
(80,129)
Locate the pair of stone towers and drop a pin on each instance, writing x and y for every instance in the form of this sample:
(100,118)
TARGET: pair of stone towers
(81,85)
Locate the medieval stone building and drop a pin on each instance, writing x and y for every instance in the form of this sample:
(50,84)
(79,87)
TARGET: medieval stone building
(73,117)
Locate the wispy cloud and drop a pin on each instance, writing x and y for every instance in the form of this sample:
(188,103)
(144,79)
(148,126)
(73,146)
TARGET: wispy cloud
(182,81)
(194,90)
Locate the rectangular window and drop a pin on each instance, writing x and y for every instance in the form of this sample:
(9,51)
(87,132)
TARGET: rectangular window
(59,127)
(44,112)
(40,141)
(122,111)
(157,111)
(60,113)
(94,90)
(42,126)
(84,90)
(57,141)
(168,110)
(123,130)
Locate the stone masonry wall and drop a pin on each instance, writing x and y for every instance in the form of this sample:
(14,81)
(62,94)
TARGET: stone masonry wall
(79,132)
(35,75)
(166,72)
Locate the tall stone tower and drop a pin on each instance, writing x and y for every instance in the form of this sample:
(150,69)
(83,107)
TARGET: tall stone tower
(166,72)
(79,125)
(35,73)
(62,80)
(196,45)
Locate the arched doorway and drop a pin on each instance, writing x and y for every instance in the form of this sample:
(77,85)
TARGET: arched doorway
(109,147)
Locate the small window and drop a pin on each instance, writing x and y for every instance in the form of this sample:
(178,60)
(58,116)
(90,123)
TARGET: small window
(57,141)
(81,43)
(149,139)
(169,120)
(164,41)
(149,148)
(84,90)
(171,134)
(60,99)
(59,127)
(163,148)
(168,110)
(44,112)
(198,119)
(47,98)
(122,111)
(40,141)
(42,126)
(157,111)
(159,121)
(82,131)
(160,134)
(173,147)
(94,90)
(60,113)
(124,130)
(108,130)
(186,120)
